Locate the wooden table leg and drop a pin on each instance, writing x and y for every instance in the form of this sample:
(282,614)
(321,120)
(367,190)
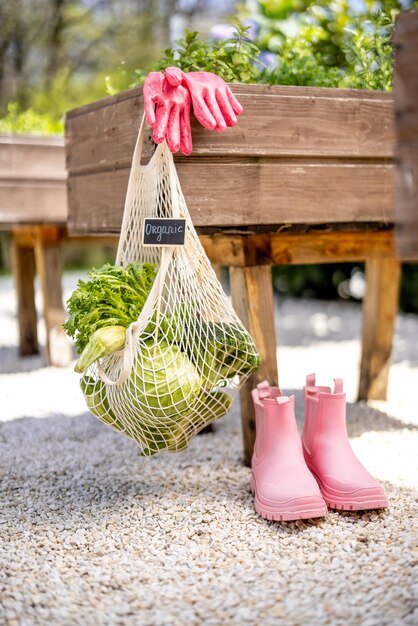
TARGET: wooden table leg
(379,314)
(24,274)
(252,297)
(49,268)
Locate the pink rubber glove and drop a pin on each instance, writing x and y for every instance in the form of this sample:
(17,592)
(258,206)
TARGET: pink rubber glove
(167,110)
(214,104)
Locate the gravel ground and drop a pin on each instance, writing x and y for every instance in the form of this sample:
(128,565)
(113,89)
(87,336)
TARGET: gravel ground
(93,534)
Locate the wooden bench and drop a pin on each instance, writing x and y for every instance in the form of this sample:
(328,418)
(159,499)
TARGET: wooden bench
(33,206)
(306,176)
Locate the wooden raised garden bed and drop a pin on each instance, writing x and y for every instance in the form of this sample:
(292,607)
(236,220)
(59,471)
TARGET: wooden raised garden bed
(306,176)
(33,206)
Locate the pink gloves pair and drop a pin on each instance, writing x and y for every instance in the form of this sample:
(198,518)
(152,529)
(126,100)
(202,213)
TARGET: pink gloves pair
(167,100)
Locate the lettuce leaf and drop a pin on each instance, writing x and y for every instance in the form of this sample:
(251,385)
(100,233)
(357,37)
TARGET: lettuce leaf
(114,296)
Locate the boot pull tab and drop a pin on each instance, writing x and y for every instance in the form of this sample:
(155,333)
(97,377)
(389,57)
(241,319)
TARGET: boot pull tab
(338,385)
(310,380)
(263,393)
(263,389)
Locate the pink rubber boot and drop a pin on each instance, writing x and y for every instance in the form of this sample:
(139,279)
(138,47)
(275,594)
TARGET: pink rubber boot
(283,486)
(342,479)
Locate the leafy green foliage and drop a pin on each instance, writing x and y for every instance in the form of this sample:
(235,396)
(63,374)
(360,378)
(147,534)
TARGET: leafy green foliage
(316,43)
(113,297)
(233,59)
(368,50)
(327,44)
(29,122)
(299,64)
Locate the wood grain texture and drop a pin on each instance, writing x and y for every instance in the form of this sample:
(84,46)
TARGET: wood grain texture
(406,116)
(32,202)
(252,298)
(39,158)
(224,193)
(298,248)
(240,89)
(49,269)
(32,181)
(296,155)
(23,261)
(274,124)
(380,307)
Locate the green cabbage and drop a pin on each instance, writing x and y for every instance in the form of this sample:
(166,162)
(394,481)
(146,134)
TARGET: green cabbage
(163,381)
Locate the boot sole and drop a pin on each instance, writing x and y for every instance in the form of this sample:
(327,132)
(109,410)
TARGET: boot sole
(343,503)
(296,512)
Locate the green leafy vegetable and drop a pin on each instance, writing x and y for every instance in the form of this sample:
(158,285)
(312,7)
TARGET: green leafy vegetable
(226,350)
(231,351)
(232,59)
(114,296)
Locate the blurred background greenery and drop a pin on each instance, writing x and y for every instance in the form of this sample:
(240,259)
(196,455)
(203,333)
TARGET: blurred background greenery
(58,54)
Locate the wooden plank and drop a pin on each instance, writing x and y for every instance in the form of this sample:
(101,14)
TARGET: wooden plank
(276,122)
(24,275)
(379,314)
(329,247)
(252,297)
(240,89)
(406,116)
(32,180)
(298,248)
(266,192)
(222,193)
(32,202)
(29,236)
(23,159)
(49,268)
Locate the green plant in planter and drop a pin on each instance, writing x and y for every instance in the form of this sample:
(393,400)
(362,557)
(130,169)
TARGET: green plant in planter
(327,43)
(234,60)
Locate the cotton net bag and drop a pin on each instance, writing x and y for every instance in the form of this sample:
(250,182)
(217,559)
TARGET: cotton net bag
(188,352)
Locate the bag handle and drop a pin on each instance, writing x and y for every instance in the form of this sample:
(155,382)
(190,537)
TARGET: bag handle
(136,328)
(136,162)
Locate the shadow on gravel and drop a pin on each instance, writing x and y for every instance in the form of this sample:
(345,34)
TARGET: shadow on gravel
(68,467)
(12,363)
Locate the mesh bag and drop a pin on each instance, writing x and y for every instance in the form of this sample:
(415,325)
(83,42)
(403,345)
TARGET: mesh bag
(188,352)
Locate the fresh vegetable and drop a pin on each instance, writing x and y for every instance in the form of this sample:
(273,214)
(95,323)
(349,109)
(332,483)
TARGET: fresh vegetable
(169,394)
(208,408)
(94,392)
(103,342)
(163,381)
(230,351)
(226,350)
(114,296)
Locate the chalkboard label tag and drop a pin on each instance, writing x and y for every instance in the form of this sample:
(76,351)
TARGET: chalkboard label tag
(164,232)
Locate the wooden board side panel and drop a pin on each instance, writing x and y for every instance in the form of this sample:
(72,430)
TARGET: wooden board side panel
(32,202)
(247,193)
(271,125)
(19,161)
